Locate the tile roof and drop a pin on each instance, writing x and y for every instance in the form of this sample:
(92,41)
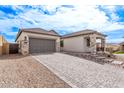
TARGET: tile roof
(54,33)
(37,31)
(40,30)
(83,32)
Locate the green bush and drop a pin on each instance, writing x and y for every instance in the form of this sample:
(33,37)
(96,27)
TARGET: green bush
(118,52)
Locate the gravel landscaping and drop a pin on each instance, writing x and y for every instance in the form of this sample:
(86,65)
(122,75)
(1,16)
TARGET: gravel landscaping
(17,71)
(82,73)
(120,57)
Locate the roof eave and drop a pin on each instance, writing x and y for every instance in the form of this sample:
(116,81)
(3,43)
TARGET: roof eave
(21,30)
(83,34)
(40,33)
(18,34)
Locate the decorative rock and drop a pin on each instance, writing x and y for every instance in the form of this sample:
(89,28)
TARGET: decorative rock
(117,62)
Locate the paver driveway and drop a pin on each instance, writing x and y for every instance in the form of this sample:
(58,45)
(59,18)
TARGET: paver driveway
(82,73)
(25,71)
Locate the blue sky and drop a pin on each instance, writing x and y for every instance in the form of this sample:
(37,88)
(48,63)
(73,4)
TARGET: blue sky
(63,19)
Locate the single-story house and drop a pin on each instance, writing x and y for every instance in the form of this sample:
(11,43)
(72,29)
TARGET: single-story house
(4,46)
(83,41)
(37,40)
(122,47)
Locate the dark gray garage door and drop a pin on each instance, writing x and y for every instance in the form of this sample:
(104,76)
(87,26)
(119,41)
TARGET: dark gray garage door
(41,45)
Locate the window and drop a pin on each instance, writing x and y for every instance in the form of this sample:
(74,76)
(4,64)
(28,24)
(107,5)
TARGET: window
(25,38)
(61,43)
(88,42)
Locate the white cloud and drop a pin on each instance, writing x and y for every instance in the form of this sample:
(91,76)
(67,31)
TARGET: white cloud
(117,40)
(114,26)
(66,19)
(83,16)
(54,2)
(111,11)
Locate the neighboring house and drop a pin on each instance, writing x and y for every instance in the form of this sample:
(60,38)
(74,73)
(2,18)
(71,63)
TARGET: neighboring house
(112,47)
(37,40)
(122,47)
(4,46)
(83,41)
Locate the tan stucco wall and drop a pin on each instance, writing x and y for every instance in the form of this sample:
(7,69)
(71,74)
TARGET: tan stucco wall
(75,44)
(1,40)
(26,47)
(4,46)
(0,45)
(121,48)
(78,43)
(23,49)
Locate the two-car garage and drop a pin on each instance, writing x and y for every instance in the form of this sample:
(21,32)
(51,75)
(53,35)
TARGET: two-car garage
(37,40)
(38,45)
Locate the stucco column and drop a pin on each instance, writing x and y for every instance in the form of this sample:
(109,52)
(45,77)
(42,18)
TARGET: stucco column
(93,43)
(7,48)
(24,47)
(122,47)
(103,44)
(58,45)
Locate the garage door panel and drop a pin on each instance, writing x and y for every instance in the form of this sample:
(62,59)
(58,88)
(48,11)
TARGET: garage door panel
(41,45)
